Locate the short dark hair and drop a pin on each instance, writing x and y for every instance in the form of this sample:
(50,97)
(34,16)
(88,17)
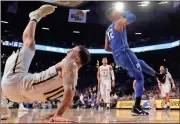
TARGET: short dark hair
(84,54)
(109,12)
(104,58)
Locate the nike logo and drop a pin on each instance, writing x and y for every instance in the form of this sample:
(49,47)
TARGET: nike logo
(138,110)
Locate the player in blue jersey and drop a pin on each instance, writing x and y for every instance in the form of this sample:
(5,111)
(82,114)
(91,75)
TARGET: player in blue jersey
(116,42)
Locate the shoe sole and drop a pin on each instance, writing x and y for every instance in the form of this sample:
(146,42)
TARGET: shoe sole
(135,114)
(36,12)
(22,110)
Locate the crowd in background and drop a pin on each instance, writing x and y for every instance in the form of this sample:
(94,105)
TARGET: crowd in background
(136,43)
(139,42)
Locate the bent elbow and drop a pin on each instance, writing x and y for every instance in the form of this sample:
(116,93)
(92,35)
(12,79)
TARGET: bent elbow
(106,48)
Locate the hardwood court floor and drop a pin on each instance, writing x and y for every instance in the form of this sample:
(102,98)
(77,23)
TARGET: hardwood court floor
(93,116)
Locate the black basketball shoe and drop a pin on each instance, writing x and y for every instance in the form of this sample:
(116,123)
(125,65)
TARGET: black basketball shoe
(137,111)
(167,108)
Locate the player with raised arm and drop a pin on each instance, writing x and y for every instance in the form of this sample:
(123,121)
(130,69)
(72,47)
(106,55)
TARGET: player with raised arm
(117,43)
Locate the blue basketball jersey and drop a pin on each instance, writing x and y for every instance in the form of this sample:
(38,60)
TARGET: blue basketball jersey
(118,40)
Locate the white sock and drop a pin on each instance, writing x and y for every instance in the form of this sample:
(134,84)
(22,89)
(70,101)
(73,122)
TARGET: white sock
(21,105)
(35,17)
(168,104)
(165,105)
(108,105)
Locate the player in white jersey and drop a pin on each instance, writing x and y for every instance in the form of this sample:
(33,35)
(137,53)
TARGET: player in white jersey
(105,79)
(166,86)
(58,81)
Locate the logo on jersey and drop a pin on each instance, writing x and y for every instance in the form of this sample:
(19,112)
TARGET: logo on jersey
(138,65)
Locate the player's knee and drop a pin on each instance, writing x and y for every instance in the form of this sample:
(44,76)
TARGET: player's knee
(139,77)
(141,61)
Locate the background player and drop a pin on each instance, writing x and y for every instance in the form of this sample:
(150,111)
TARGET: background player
(116,42)
(58,81)
(105,79)
(165,87)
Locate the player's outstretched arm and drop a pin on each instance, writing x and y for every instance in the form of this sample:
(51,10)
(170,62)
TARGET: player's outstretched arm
(172,81)
(112,76)
(69,78)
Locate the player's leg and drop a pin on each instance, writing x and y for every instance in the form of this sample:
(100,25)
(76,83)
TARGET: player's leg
(131,63)
(22,108)
(26,54)
(163,95)
(102,90)
(35,17)
(108,91)
(166,90)
(28,49)
(108,98)
(147,69)
(166,101)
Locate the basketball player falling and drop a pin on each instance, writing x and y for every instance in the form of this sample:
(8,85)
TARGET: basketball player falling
(105,77)
(165,87)
(116,42)
(58,81)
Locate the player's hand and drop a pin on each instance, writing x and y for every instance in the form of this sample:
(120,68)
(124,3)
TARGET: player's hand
(174,87)
(123,21)
(50,114)
(59,119)
(143,89)
(113,84)
(99,81)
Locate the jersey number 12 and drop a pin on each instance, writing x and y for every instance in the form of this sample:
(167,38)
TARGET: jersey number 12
(110,34)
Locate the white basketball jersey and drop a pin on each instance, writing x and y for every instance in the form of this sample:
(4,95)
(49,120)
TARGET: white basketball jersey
(168,76)
(105,74)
